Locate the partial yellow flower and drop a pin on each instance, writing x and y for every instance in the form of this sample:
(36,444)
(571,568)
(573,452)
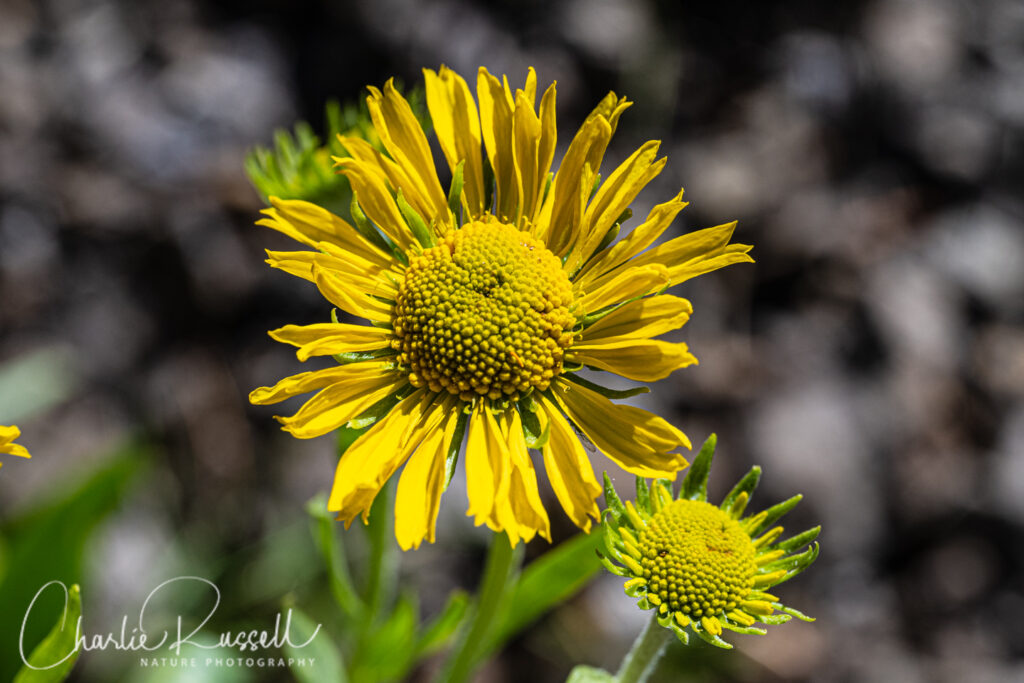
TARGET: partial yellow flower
(7,445)
(483,303)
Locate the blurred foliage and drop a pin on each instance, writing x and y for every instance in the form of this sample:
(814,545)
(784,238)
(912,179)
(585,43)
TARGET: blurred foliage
(58,646)
(49,543)
(300,165)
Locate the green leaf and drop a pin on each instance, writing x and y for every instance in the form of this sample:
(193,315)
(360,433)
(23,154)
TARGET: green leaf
(588,674)
(440,630)
(695,485)
(548,581)
(328,666)
(55,657)
(605,391)
(390,650)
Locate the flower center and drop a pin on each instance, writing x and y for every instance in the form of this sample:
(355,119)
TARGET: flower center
(697,559)
(485,313)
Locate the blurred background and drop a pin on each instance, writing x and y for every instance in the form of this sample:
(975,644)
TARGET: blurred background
(872,358)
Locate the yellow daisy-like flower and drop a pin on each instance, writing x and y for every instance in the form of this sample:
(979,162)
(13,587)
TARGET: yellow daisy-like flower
(482,304)
(7,445)
(703,566)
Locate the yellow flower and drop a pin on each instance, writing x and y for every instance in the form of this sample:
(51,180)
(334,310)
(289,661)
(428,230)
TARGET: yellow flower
(7,445)
(483,303)
(703,566)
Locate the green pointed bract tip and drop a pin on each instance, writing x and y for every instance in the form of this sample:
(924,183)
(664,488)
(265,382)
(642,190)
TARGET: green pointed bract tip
(705,569)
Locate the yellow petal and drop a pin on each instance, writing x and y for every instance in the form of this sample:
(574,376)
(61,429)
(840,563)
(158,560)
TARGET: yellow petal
(8,434)
(524,496)
(419,489)
(641,319)
(373,458)
(496,126)
(337,404)
(310,224)
(486,464)
(403,137)
(526,131)
(628,284)
(297,263)
(318,379)
(457,125)
(568,468)
(645,360)
(561,229)
(327,339)
(638,441)
(692,254)
(371,191)
(348,298)
(638,239)
(613,197)
(15,449)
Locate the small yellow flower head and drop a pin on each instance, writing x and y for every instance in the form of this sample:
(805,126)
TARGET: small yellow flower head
(703,566)
(7,445)
(483,301)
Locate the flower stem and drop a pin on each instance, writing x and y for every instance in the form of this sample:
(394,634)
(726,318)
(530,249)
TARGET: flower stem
(641,660)
(502,562)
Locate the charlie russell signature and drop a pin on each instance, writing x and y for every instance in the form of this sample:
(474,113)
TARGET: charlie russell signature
(137,639)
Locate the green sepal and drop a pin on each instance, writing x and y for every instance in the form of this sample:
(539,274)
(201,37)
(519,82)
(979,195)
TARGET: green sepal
(366,229)
(643,603)
(635,591)
(710,639)
(774,513)
(613,568)
(643,494)
(804,560)
(488,173)
(360,356)
(452,457)
(749,630)
(747,484)
(680,632)
(695,485)
(377,410)
(798,541)
(605,391)
(536,436)
(612,543)
(547,188)
(597,184)
(455,194)
(664,620)
(612,501)
(791,562)
(773,619)
(419,229)
(568,366)
(792,612)
(592,318)
(609,236)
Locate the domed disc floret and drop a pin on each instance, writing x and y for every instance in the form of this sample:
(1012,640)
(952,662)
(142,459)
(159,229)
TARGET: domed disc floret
(484,313)
(697,559)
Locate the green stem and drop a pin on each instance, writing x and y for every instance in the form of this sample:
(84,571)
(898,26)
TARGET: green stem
(502,562)
(382,570)
(641,660)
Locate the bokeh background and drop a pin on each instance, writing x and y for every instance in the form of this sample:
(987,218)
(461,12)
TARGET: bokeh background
(872,358)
